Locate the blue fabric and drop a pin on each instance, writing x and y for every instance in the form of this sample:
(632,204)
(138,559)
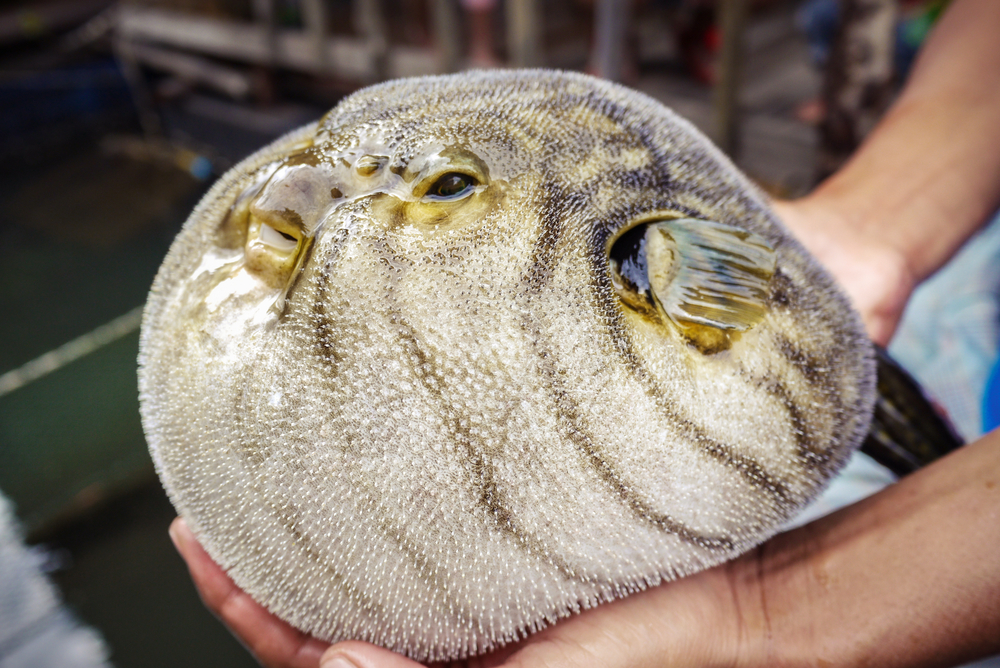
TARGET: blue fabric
(818,20)
(991,400)
(950,333)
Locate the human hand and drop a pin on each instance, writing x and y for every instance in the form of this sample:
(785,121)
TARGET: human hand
(695,621)
(848,589)
(272,641)
(874,274)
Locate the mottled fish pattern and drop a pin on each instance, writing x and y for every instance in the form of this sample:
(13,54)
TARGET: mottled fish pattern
(464,358)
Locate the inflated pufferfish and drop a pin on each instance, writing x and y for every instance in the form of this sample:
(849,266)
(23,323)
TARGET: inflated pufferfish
(475,352)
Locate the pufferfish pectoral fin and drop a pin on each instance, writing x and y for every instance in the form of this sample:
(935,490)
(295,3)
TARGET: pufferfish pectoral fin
(710,279)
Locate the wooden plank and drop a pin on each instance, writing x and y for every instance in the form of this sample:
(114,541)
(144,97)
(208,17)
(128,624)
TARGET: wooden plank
(350,58)
(228,80)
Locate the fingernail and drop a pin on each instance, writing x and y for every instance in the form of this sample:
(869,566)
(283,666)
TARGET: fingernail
(338,661)
(175,535)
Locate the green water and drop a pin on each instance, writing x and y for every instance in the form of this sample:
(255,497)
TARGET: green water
(80,242)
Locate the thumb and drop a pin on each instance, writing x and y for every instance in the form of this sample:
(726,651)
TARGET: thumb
(355,654)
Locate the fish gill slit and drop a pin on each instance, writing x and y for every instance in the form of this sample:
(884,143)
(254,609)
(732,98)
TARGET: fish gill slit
(543,261)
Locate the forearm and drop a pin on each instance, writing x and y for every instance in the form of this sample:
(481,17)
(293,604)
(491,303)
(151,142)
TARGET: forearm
(929,175)
(909,577)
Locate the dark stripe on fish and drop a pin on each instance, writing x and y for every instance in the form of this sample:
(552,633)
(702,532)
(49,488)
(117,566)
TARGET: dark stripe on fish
(488,494)
(288,516)
(252,452)
(575,429)
(326,346)
(541,267)
(814,369)
(326,335)
(809,449)
(784,292)
(425,569)
(297,273)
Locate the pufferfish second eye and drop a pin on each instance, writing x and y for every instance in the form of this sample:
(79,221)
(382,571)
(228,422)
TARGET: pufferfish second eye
(451,186)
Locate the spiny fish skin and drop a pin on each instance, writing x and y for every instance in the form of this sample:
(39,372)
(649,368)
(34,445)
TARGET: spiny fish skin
(391,378)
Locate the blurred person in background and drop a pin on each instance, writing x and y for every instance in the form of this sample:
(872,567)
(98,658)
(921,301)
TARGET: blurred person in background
(819,21)
(479,17)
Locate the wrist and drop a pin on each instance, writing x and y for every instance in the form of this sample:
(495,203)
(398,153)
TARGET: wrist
(865,586)
(873,271)
(865,217)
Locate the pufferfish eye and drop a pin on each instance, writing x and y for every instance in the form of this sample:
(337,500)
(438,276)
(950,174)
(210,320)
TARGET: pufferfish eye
(451,186)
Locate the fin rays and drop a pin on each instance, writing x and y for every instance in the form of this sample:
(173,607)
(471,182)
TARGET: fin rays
(709,273)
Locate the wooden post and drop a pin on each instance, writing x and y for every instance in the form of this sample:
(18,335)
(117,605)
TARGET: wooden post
(263,14)
(447,34)
(732,20)
(611,19)
(149,117)
(371,24)
(523,33)
(314,18)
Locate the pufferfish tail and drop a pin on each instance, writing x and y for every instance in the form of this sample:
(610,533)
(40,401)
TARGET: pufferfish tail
(907,432)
